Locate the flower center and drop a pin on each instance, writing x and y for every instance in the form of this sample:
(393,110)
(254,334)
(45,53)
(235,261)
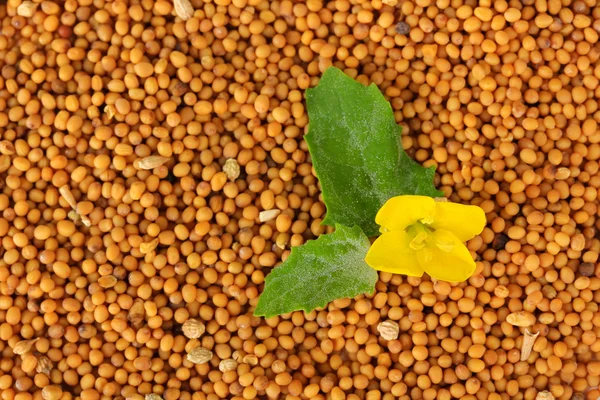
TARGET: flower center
(420,236)
(427,220)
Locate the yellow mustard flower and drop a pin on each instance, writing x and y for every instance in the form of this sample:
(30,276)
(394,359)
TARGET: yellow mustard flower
(420,235)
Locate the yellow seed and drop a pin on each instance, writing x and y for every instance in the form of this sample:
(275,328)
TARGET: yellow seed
(28,362)
(110,111)
(146,248)
(5,162)
(183,9)
(578,242)
(544,395)
(160,132)
(52,392)
(24,346)
(191,345)
(137,313)
(7,148)
(200,355)
(193,329)
(238,355)
(231,169)
(429,50)
(389,330)
(563,173)
(27,9)
(282,240)
(107,281)
(268,215)
(150,162)
(44,365)
(549,292)
(143,69)
(228,365)
(521,318)
(250,359)
(501,291)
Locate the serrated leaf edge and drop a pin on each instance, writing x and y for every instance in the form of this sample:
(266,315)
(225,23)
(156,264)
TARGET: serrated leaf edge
(294,253)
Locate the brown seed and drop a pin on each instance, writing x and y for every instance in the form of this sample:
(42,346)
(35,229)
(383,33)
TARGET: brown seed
(521,318)
(24,346)
(587,269)
(44,365)
(231,169)
(199,355)
(500,241)
(193,329)
(227,365)
(389,330)
(137,313)
(180,89)
(107,281)
(549,171)
(184,9)
(549,292)
(402,28)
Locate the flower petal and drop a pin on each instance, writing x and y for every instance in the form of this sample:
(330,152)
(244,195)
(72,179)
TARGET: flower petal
(401,211)
(446,258)
(390,253)
(464,221)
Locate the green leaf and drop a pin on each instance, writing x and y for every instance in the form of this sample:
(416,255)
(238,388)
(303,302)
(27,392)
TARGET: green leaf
(322,270)
(357,153)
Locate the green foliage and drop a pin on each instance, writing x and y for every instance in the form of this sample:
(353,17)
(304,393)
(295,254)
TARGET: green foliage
(322,270)
(356,150)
